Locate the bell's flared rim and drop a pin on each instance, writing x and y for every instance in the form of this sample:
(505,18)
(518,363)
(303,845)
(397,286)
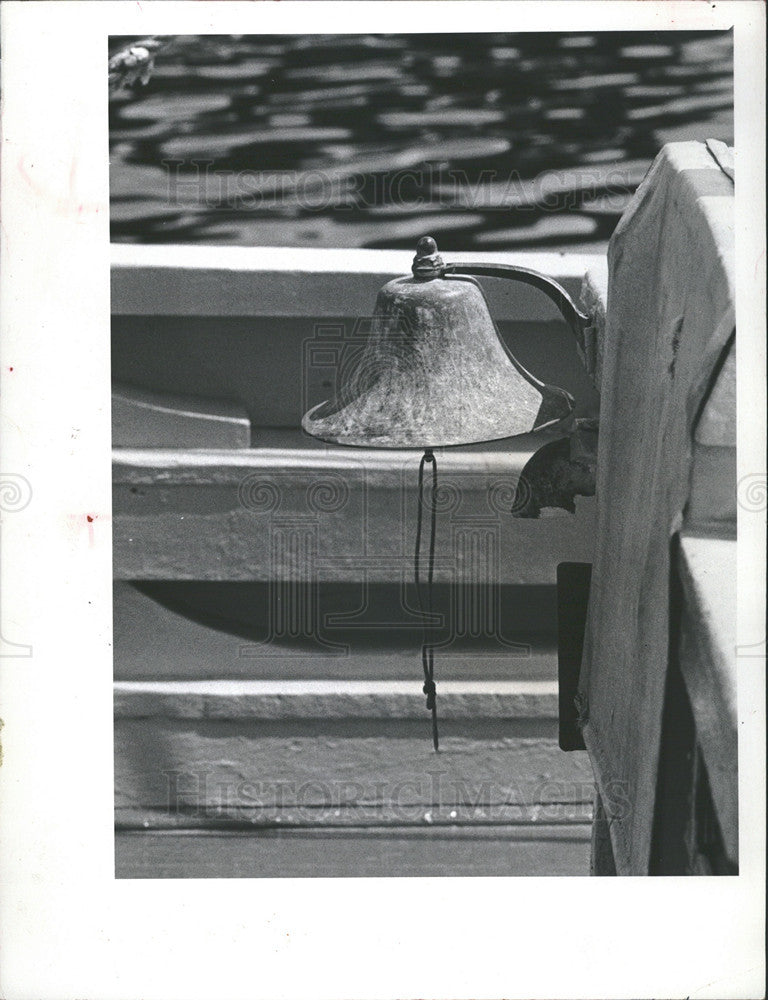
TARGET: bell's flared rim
(552,425)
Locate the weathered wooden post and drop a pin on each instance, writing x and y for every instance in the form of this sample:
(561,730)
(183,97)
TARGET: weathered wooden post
(656,695)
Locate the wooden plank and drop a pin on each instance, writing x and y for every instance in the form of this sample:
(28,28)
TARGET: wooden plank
(707,568)
(238,545)
(458,816)
(508,851)
(349,513)
(293,769)
(294,451)
(282,281)
(712,501)
(674,833)
(328,699)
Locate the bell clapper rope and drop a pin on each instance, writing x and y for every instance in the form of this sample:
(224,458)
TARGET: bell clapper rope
(427,649)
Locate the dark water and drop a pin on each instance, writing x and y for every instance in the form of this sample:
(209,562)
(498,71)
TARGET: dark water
(487,141)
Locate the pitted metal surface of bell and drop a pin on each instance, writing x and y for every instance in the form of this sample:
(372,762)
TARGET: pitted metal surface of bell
(434,371)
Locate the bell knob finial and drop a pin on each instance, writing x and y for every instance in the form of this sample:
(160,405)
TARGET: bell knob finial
(426,247)
(427,263)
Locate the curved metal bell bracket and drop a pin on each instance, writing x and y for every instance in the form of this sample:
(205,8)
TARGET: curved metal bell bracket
(428,264)
(574,317)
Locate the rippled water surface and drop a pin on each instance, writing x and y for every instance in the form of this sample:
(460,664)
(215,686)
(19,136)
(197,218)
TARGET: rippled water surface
(488,141)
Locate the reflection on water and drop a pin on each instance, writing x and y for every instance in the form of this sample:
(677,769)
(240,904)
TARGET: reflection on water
(487,141)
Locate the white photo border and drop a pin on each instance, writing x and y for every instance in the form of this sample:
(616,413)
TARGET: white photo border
(68,928)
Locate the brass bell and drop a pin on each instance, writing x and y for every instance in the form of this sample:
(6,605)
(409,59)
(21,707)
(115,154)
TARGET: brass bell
(435,372)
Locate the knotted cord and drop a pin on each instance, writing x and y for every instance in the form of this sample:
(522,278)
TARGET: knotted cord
(427,650)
